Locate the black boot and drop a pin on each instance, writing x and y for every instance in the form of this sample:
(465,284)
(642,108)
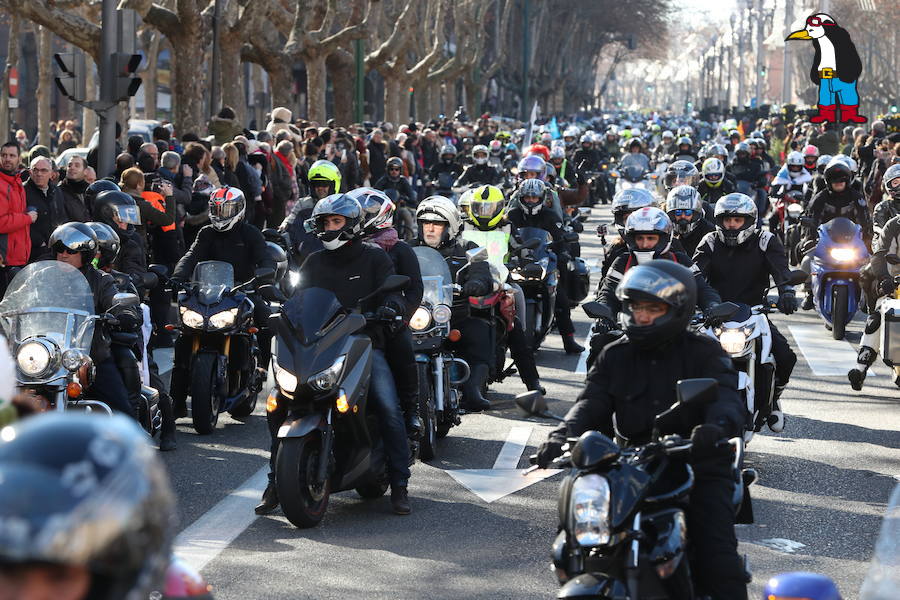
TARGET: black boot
(570,345)
(167,429)
(864,360)
(528,372)
(473,401)
(269,500)
(400,500)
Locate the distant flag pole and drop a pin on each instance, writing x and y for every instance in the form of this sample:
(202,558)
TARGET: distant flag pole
(529,132)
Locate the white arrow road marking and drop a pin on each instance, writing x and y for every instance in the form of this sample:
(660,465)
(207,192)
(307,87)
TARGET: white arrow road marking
(504,478)
(827,357)
(209,535)
(781,545)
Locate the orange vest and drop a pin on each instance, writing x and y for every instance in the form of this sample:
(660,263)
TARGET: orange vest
(159,203)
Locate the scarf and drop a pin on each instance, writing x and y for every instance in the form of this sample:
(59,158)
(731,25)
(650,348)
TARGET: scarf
(386,238)
(284,160)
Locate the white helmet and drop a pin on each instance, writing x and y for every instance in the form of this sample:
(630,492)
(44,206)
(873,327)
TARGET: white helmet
(683,198)
(794,158)
(648,220)
(442,210)
(377,209)
(226,208)
(736,205)
(557,152)
(479,149)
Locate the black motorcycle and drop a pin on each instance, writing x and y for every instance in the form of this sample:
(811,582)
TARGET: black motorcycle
(217,332)
(329,441)
(622,525)
(536,273)
(440,373)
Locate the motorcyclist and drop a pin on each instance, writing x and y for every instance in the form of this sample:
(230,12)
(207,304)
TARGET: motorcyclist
(714,182)
(635,155)
(324,179)
(110,247)
(393,179)
(632,381)
(684,150)
(228,238)
(352,270)
(586,157)
(531,213)
(737,260)
(666,146)
(888,208)
(120,211)
(680,172)
(96,504)
(810,158)
(480,172)
(624,203)
(76,244)
(748,173)
(685,209)
(792,178)
(611,144)
(377,228)
(446,171)
(534,167)
(565,173)
(882,272)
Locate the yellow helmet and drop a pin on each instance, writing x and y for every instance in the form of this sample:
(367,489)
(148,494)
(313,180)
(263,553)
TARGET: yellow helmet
(486,208)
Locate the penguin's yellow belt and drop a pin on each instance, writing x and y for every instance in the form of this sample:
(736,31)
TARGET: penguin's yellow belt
(827,73)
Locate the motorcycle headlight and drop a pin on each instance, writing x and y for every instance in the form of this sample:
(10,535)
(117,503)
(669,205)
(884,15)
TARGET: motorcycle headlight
(294,278)
(516,276)
(733,340)
(191,318)
(33,358)
(843,254)
(223,319)
(794,211)
(441,314)
(73,358)
(590,510)
(326,379)
(421,319)
(286,380)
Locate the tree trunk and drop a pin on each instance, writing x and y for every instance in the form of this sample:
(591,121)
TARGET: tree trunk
(151,77)
(187,84)
(232,75)
(316,81)
(12,59)
(393,98)
(89,117)
(471,94)
(259,107)
(45,84)
(341,72)
(281,82)
(423,101)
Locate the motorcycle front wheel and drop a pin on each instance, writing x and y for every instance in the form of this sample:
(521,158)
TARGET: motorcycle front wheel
(205,393)
(428,441)
(838,311)
(302,500)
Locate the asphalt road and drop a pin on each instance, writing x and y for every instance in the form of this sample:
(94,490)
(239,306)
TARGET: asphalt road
(824,484)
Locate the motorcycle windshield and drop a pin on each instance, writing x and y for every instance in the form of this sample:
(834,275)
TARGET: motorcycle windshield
(310,310)
(49,299)
(212,278)
(496,242)
(841,230)
(883,579)
(435,276)
(633,172)
(542,235)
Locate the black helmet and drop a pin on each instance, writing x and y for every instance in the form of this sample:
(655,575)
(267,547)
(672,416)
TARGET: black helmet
(113,205)
(101,185)
(75,238)
(681,172)
(658,281)
(837,171)
(891,181)
(109,243)
(97,497)
(277,254)
(393,162)
(336,204)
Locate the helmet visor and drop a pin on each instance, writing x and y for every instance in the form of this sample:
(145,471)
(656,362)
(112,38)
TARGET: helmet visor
(485,209)
(652,282)
(127,214)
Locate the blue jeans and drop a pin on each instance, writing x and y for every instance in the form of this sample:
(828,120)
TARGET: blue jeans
(384,401)
(109,387)
(762,205)
(834,91)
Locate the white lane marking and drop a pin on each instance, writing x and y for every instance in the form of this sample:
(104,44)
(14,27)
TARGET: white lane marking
(581,367)
(781,545)
(513,447)
(826,356)
(164,358)
(504,478)
(209,535)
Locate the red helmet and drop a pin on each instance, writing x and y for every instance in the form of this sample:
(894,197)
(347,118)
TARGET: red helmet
(538,149)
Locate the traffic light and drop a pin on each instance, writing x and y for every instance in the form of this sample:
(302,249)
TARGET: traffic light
(70,80)
(126,84)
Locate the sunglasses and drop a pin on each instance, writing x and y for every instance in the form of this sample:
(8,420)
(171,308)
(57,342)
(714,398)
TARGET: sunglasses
(394,169)
(683,212)
(60,249)
(894,184)
(810,160)
(817,22)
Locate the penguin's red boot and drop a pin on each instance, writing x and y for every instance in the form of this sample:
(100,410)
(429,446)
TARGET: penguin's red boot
(849,115)
(826,113)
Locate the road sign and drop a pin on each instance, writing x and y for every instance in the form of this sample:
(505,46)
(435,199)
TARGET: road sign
(13,82)
(504,478)
(13,102)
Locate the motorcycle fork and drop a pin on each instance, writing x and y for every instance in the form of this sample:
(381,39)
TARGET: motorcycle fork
(631,566)
(438,382)
(325,452)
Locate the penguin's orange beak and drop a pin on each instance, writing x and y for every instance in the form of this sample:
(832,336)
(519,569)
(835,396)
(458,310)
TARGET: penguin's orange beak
(799,35)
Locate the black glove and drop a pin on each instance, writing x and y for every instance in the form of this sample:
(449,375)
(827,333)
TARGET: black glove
(603,325)
(547,452)
(474,288)
(711,321)
(787,302)
(386,313)
(886,287)
(705,439)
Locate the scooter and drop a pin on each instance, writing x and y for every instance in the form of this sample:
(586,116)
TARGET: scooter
(890,324)
(329,441)
(622,524)
(834,268)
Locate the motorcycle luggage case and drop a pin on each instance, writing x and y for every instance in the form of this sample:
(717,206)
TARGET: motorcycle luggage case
(890,331)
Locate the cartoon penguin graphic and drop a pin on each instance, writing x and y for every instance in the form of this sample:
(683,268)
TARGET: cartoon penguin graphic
(835,69)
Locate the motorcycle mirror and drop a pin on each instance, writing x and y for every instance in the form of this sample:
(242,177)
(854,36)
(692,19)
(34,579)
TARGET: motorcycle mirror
(593,449)
(595,310)
(162,271)
(149,280)
(892,259)
(697,392)
(264,275)
(271,293)
(535,405)
(570,236)
(797,276)
(583,213)
(123,299)
(723,310)
(478,254)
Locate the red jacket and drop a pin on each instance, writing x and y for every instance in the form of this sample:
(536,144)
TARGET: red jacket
(15,224)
